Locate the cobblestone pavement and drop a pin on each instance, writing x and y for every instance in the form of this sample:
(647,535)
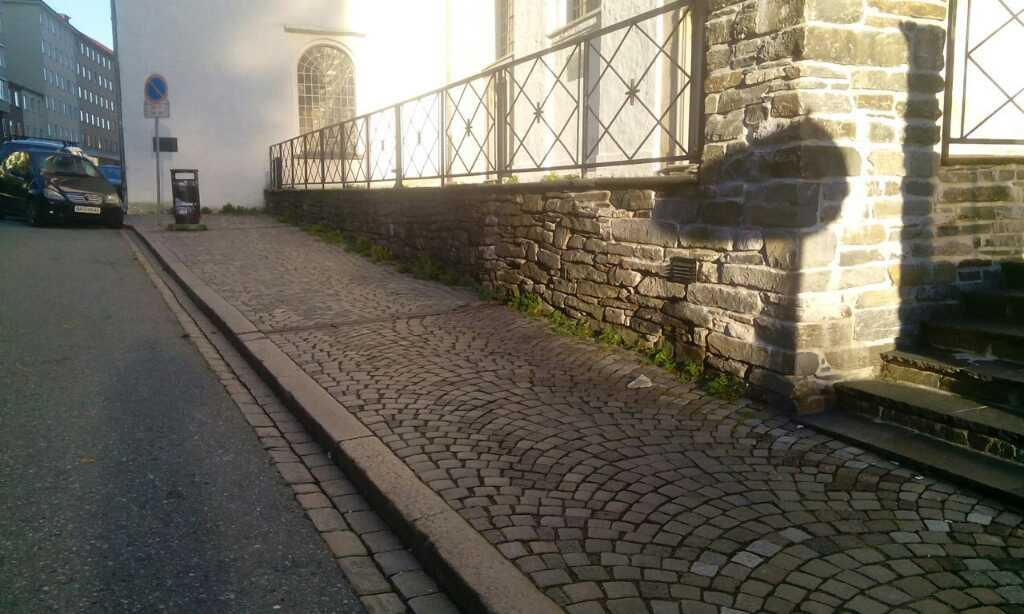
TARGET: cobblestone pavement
(657,500)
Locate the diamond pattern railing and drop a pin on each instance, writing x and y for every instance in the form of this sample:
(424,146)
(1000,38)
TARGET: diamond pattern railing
(985,87)
(627,94)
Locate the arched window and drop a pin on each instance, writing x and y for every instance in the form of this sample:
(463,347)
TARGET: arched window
(327,88)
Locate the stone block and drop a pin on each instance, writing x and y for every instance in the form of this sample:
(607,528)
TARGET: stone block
(792,250)
(801,102)
(624,277)
(835,11)
(549,259)
(584,272)
(688,313)
(589,288)
(875,102)
(867,234)
(706,237)
(792,335)
(763,355)
(857,277)
(855,47)
(659,287)
(725,297)
(856,257)
(650,231)
(910,8)
(811,162)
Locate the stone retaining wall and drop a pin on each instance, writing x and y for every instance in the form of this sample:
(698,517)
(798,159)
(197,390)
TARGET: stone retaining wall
(825,227)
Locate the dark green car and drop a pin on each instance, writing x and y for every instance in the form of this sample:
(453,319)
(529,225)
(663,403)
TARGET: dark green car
(44,183)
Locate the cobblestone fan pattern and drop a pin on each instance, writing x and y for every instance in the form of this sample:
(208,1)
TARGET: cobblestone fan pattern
(387,579)
(658,499)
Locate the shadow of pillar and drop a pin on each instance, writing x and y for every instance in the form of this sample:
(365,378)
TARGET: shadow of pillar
(787,185)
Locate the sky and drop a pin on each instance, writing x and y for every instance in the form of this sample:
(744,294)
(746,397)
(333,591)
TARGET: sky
(90,16)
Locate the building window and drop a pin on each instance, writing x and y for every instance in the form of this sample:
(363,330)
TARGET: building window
(504,31)
(984,114)
(327,88)
(578,8)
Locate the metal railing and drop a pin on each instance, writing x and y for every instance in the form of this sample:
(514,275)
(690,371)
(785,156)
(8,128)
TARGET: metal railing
(984,95)
(627,94)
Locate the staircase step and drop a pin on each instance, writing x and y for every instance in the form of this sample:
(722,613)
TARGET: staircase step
(991,381)
(983,472)
(1013,275)
(949,417)
(1000,305)
(984,338)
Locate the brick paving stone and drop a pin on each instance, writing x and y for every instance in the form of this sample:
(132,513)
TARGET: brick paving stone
(395,562)
(589,607)
(414,584)
(433,604)
(381,541)
(295,473)
(327,520)
(313,500)
(344,544)
(537,442)
(387,603)
(363,575)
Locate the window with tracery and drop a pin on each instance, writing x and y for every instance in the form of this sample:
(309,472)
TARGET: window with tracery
(327,88)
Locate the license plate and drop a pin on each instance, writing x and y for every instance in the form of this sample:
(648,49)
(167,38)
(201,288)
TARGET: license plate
(81,209)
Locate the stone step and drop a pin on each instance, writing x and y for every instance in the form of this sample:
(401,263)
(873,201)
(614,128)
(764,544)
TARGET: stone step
(1013,275)
(990,381)
(954,419)
(998,305)
(981,471)
(984,338)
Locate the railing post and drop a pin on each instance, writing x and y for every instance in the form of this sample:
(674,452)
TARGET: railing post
(291,149)
(342,146)
(442,135)
(584,102)
(398,146)
(369,169)
(696,127)
(501,110)
(323,162)
(305,161)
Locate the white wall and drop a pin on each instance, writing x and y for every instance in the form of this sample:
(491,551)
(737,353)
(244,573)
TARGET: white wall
(231,66)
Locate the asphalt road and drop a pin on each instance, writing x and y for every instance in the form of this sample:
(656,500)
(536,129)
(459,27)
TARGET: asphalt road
(129,481)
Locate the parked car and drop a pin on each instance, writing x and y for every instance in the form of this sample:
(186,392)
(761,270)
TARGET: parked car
(46,181)
(115,176)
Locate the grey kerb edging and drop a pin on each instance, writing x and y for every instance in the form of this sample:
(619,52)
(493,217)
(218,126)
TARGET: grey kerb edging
(477,576)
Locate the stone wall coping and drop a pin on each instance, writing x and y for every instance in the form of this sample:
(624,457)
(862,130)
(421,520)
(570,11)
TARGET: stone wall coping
(656,183)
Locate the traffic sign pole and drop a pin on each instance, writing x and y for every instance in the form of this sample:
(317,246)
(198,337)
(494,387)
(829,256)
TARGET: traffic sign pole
(156,134)
(156,106)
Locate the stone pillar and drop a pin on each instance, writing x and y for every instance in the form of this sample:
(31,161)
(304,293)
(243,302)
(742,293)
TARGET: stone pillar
(820,138)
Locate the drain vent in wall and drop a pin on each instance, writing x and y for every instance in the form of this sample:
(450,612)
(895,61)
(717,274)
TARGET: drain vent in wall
(682,270)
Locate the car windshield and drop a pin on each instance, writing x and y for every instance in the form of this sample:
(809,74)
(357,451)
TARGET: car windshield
(66,164)
(112,173)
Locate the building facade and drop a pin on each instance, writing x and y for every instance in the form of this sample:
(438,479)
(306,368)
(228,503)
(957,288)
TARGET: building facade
(41,51)
(61,83)
(96,91)
(254,72)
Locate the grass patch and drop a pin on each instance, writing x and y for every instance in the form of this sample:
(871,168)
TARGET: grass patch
(230,209)
(725,386)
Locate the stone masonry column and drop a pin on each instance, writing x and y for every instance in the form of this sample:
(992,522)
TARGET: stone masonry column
(820,139)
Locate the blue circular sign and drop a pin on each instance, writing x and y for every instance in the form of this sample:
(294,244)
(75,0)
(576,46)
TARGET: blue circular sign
(156,89)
